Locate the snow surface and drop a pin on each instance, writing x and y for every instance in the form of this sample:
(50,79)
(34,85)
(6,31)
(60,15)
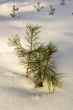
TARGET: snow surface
(16,91)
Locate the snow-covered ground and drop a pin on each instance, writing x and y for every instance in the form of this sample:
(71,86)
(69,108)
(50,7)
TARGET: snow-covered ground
(17,92)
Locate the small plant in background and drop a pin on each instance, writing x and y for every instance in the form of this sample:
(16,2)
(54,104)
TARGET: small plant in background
(14,10)
(51,10)
(62,2)
(38,6)
(37,58)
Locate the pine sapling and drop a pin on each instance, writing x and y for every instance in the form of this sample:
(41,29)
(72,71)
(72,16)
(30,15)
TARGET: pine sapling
(38,6)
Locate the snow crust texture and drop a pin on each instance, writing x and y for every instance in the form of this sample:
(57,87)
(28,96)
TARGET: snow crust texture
(16,91)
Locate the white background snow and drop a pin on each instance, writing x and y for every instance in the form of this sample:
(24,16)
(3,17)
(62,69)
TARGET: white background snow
(17,92)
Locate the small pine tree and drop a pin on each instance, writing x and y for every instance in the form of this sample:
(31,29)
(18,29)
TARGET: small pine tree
(14,9)
(51,10)
(37,58)
(38,7)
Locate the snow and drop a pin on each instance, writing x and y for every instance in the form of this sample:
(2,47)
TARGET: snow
(16,91)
